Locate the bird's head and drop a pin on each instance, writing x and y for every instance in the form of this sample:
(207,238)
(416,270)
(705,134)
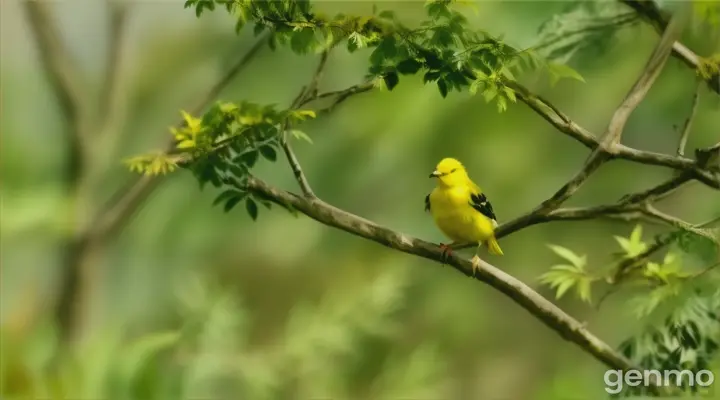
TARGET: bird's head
(450,172)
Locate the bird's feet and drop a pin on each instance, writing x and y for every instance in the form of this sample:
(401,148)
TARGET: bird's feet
(475,264)
(446,252)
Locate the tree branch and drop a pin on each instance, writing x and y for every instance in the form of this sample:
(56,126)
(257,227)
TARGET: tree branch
(654,213)
(659,20)
(65,81)
(552,316)
(638,92)
(564,124)
(118,16)
(605,149)
(685,133)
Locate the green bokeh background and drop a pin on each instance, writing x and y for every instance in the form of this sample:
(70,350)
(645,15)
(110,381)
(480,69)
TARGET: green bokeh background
(291,304)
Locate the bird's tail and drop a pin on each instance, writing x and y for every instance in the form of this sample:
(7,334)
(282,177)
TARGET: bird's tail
(494,247)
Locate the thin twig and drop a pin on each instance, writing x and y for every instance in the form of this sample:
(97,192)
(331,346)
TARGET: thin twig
(302,98)
(654,213)
(118,16)
(685,133)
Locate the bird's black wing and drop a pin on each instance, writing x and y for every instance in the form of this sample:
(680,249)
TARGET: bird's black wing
(480,202)
(427,203)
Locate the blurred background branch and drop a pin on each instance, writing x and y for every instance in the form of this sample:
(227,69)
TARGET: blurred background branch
(659,20)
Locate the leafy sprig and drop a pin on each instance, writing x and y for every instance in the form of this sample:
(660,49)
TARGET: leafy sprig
(443,48)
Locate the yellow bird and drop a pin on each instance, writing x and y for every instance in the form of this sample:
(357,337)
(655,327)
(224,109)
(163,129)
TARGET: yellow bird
(461,210)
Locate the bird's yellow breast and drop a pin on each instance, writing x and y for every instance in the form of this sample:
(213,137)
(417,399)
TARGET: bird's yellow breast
(453,214)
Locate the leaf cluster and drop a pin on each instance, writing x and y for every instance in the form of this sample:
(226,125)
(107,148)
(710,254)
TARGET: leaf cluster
(583,27)
(687,339)
(444,48)
(689,334)
(661,280)
(223,146)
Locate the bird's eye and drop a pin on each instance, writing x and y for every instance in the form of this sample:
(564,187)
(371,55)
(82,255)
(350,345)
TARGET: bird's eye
(453,170)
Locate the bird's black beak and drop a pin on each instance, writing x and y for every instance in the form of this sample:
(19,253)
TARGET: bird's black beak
(435,174)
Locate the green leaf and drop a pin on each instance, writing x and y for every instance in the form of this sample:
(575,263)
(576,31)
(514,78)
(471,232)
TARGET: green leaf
(431,76)
(558,71)
(510,94)
(269,153)
(386,49)
(226,195)
(501,104)
(699,246)
(563,287)
(442,87)
(584,289)
(391,80)
(304,114)
(252,208)
(303,40)
(249,158)
(636,234)
(576,260)
(186,144)
(489,93)
(232,202)
(409,66)
(258,29)
(634,245)
(298,134)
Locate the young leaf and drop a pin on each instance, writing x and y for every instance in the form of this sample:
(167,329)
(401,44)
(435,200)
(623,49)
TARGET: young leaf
(252,208)
(563,287)
(298,134)
(576,260)
(558,71)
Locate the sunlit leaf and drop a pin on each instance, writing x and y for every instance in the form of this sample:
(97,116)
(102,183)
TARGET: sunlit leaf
(576,260)
(298,134)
